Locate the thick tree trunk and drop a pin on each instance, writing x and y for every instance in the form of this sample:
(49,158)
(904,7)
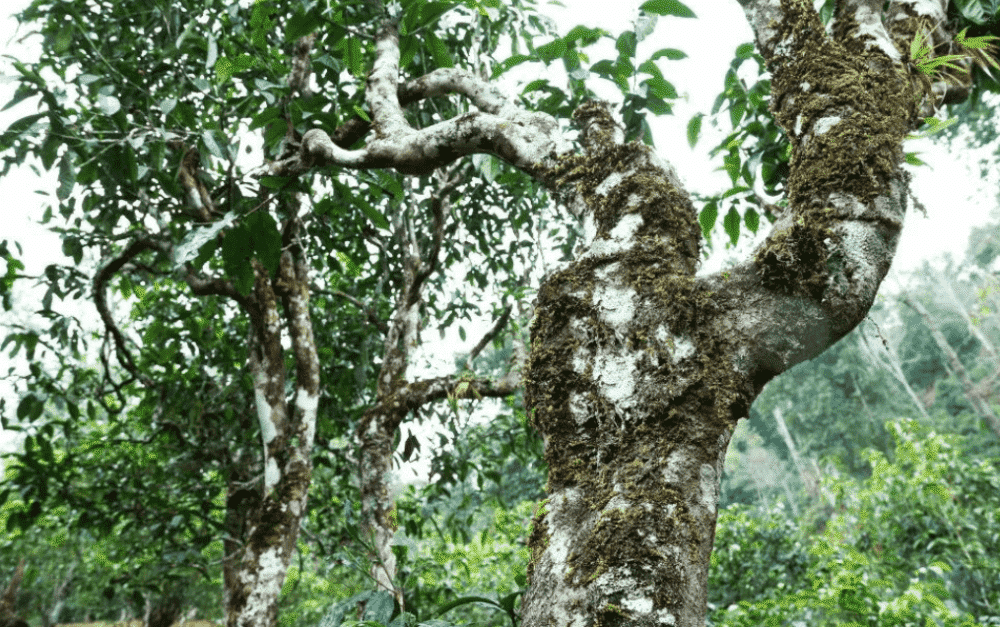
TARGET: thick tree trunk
(636,400)
(288,429)
(639,370)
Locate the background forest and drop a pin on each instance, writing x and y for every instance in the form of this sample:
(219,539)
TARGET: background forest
(864,489)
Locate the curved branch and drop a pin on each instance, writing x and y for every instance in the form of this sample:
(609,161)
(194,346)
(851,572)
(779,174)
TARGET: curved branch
(520,137)
(846,101)
(206,287)
(420,393)
(101,301)
(524,141)
(439,82)
(438,203)
(499,326)
(484,95)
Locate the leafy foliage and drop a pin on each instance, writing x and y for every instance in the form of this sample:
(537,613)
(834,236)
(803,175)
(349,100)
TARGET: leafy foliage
(894,551)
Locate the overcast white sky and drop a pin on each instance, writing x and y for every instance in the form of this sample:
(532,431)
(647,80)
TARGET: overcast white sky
(956,197)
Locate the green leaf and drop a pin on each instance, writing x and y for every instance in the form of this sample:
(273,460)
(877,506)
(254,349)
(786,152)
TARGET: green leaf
(707,218)
(734,191)
(167,105)
(275,182)
(587,36)
(736,110)
(23,92)
(361,113)
(439,50)
(650,67)
(213,52)
(218,150)
(373,214)
(237,249)
(731,163)
(201,241)
(353,57)
(731,223)
(667,7)
(348,264)
(389,183)
(487,165)
(265,239)
(552,50)
(535,85)
(24,407)
(225,67)
(626,44)
(670,53)
(694,128)
(63,39)
(300,25)
(432,11)
(508,63)
(752,219)
(660,87)
(109,104)
(604,67)
(935,126)
(973,10)
(409,46)
(67,176)
(17,128)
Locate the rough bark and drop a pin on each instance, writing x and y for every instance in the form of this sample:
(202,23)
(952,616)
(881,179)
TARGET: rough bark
(639,370)
(256,573)
(287,428)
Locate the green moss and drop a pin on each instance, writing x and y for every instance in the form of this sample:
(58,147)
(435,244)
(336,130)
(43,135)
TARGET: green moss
(687,392)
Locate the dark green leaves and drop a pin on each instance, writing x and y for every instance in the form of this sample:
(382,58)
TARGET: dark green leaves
(707,218)
(225,67)
(67,177)
(625,45)
(300,25)
(442,57)
(667,7)
(731,223)
(694,128)
(256,236)
(17,128)
(352,56)
(552,50)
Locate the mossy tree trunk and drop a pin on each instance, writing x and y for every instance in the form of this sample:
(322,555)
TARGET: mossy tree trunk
(640,370)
